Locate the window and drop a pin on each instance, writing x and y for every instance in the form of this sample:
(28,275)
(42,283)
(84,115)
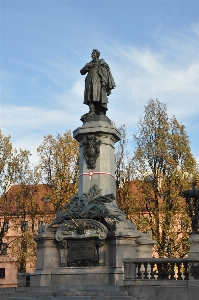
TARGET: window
(5,226)
(2,272)
(24,226)
(3,249)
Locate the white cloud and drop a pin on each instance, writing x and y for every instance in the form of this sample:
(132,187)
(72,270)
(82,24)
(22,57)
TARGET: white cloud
(28,117)
(142,74)
(195,27)
(73,99)
(30,141)
(28,125)
(170,74)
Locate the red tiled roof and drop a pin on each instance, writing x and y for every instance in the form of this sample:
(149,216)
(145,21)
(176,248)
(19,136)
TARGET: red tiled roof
(35,194)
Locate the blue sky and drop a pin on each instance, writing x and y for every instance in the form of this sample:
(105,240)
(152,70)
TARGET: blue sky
(152,48)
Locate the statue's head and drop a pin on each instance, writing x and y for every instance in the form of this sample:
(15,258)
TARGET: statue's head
(95,54)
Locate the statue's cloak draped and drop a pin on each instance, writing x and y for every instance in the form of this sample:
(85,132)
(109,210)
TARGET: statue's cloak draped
(98,83)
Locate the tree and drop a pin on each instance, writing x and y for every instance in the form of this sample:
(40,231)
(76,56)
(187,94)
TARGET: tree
(124,174)
(25,210)
(18,203)
(20,186)
(163,164)
(59,165)
(5,162)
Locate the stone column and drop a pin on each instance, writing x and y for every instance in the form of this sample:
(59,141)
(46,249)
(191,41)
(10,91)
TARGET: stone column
(194,247)
(193,257)
(97,137)
(145,245)
(47,253)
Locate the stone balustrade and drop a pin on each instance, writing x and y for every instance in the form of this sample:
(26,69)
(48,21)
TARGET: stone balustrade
(156,269)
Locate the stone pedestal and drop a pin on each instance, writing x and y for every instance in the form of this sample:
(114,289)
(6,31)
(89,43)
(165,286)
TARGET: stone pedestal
(92,236)
(101,150)
(145,244)
(194,247)
(52,258)
(193,257)
(46,249)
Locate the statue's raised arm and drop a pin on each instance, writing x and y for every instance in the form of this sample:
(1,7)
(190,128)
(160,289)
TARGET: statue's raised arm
(98,84)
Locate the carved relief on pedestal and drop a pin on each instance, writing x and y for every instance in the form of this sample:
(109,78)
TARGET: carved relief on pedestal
(80,229)
(80,243)
(91,150)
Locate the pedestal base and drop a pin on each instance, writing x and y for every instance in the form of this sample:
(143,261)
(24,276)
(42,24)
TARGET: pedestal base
(53,256)
(78,276)
(194,247)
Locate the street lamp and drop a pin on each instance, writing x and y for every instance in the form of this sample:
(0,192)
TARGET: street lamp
(192,200)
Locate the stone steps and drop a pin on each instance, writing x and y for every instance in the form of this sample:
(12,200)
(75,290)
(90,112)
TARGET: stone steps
(67,293)
(62,288)
(70,298)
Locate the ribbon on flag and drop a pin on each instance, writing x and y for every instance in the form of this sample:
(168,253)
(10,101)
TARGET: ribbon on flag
(91,173)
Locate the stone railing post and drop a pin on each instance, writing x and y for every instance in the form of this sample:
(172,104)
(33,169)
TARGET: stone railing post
(145,244)
(129,271)
(193,257)
(23,279)
(158,269)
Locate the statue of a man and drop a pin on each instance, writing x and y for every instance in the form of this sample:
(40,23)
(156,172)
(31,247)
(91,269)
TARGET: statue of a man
(98,84)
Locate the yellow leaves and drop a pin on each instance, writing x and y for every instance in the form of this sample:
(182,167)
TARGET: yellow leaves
(59,167)
(23,250)
(162,149)
(5,159)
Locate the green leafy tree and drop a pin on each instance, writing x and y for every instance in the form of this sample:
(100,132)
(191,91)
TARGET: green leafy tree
(163,164)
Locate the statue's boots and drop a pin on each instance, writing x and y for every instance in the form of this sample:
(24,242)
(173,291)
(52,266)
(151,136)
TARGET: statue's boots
(100,109)
(92,109)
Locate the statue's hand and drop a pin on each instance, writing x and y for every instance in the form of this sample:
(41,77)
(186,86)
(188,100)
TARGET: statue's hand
(90,65)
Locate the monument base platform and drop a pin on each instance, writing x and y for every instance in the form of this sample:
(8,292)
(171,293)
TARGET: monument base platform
(62,257)
(87,292)
(78,276)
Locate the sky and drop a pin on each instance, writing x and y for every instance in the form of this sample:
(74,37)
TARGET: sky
(152,48)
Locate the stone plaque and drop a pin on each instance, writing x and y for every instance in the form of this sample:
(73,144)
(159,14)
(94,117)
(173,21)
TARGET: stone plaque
(82,252)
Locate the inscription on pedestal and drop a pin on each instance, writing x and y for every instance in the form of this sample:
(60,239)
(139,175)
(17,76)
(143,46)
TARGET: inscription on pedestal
(82,253)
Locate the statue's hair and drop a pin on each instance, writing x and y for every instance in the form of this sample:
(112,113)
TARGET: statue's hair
(98,53)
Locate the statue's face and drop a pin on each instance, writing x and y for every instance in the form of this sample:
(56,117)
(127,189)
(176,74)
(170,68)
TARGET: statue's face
(94,55)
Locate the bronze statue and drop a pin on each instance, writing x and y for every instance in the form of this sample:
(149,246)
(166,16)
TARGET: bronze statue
(98,84)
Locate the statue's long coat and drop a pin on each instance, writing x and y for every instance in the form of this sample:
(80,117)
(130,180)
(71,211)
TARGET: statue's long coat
(98,83)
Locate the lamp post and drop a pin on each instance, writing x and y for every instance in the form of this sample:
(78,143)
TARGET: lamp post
(192,200)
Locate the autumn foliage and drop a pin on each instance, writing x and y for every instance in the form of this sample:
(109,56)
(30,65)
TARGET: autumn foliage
(31,195)
(149,183)
(161,167)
